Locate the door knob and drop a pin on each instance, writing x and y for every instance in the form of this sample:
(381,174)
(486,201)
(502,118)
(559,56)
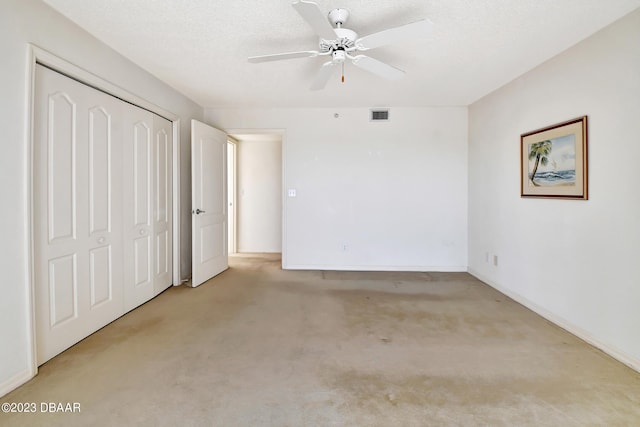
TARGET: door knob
(199,211)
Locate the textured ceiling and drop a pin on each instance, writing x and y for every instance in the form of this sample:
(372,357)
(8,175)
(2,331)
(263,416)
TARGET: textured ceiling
(200,47)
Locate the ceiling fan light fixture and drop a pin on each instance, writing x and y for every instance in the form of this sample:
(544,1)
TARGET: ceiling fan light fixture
(339,56)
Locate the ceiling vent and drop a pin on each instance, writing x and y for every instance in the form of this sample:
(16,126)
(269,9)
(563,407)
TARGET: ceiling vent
(379,115)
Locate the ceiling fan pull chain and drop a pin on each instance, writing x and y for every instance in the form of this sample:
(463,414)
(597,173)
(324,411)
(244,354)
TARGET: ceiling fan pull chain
(343,72)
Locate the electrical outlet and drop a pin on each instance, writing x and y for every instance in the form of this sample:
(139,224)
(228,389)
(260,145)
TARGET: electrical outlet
(345,248)
(495,260)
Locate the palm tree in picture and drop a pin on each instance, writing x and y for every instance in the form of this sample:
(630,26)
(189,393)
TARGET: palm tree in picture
(540,151)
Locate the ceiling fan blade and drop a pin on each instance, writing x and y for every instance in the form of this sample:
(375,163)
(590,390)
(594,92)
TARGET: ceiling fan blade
(280,56)
(378,68)
(318,21)
(323,76)
(395,35)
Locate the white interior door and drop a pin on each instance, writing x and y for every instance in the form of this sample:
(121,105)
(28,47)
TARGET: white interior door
(77,221)
(208,202)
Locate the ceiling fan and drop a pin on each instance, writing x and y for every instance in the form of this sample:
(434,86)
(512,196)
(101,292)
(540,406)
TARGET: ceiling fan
(339,43)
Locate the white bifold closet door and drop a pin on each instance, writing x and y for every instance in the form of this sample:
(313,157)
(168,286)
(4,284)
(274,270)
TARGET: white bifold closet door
(101,209)
(148,206)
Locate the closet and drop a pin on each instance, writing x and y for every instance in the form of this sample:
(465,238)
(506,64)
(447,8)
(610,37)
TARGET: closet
(102,209)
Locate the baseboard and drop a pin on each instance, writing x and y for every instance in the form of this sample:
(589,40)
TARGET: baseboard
(412,268)
(16,381)
(620,356)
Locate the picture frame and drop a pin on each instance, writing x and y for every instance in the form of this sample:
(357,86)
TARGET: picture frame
(553,161)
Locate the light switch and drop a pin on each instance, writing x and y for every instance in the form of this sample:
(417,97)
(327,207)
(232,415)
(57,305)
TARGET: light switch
(292,192)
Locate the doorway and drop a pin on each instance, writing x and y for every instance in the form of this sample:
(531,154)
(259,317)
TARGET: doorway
(258,192)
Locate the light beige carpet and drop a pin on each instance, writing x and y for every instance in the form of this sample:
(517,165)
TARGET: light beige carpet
(258,346)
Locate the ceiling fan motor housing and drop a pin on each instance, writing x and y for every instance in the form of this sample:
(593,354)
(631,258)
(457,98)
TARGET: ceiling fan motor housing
(338,17)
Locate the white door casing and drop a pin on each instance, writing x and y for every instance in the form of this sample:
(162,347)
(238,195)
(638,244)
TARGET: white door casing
(231,197)
(208,202)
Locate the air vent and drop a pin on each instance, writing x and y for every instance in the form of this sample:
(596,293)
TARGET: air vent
(379,115)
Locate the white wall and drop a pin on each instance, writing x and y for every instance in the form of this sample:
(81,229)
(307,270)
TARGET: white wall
(574,261)
(30,21)
(394,193)
(259,195)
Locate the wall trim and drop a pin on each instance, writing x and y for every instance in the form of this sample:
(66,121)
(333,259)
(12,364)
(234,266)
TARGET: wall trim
(15,381)
(284,261)
(177,147)
(620,356)
(411,268)
(30,300)
(59,64)
(232,241)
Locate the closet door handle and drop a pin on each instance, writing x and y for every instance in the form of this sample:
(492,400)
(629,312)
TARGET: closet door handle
(199,211)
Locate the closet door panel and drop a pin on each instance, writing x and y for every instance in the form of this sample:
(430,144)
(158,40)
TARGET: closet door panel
(163,202)
(76,215)
(138,211)
(100,179)
(58,148)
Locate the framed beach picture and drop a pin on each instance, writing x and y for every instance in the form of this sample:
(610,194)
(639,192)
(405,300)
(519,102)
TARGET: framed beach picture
(553,161)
